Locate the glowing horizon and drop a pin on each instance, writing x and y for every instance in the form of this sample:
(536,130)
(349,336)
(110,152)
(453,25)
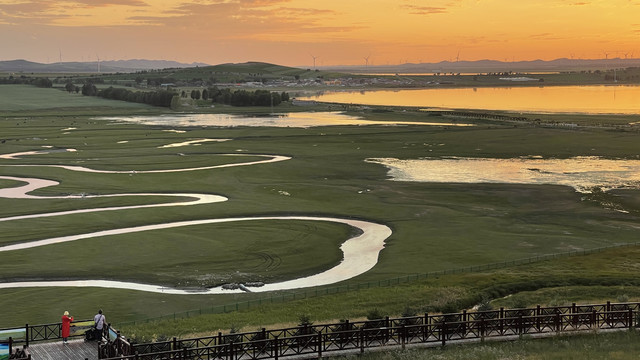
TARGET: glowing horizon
(291,32)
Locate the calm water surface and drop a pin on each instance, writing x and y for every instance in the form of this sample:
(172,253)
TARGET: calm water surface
(582,173)
(556,99)
(301,119)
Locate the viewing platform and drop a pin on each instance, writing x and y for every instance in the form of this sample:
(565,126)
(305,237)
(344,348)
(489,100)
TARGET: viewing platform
(44,342)
(77,349)
(307,341)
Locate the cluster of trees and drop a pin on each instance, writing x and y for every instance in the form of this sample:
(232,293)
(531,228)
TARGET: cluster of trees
(250,98)
(71,88)
(239,97)
(155,98)
(37,81)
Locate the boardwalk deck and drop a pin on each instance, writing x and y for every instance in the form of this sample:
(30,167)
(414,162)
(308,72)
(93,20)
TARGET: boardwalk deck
(75,350)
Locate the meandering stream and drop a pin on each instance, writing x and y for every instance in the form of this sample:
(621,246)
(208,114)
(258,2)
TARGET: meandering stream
(360,252)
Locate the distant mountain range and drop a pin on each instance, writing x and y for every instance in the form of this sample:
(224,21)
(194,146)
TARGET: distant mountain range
(491,66)
(479,66)
(92,67)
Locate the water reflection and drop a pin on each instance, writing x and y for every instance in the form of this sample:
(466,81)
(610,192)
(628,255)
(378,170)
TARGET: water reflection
(561,99)
(299,119)
(582,173)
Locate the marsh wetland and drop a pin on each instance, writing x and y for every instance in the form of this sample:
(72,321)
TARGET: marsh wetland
(460,192)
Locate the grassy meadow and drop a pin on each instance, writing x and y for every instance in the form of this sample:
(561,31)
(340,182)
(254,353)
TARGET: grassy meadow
(25,100)
(435,226)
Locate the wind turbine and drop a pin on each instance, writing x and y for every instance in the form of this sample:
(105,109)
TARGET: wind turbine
(458,56)
(98,57)
(314,61)
(366,60)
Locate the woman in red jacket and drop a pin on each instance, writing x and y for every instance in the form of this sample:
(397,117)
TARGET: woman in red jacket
(66,325)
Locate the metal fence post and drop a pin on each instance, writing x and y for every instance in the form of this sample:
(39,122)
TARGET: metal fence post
(276,348)
(319,344)
(520,326)
(386,330)
(26,334)
(464,322)
(443,331)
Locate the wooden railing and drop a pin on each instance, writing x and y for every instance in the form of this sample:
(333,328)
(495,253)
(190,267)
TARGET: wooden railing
(115,346)
(316,340)
(111,343)
(43,332)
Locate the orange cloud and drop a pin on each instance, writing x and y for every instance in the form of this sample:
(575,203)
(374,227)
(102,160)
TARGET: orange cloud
(339,31)
(54,12)
(424,10)
(248,19)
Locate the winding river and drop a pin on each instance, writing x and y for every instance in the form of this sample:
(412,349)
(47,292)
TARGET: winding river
(360,253)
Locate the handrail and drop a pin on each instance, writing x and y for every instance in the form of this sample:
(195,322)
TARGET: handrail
(359,335)
(43,332)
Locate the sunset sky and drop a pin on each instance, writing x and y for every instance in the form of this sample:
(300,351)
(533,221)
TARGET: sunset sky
(291,32)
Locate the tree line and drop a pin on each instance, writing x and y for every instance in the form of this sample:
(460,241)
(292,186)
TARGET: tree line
(36,81)
(239,97)
(155,98)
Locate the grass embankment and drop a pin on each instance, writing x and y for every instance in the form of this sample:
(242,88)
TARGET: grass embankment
(436,226)
(26,100)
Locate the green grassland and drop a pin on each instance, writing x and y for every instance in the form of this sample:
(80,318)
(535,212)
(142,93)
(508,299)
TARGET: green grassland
(435,226)
(230,73)
(18,99)
(590,279)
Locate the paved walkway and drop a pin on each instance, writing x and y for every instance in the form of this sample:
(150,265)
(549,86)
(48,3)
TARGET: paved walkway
(75,350)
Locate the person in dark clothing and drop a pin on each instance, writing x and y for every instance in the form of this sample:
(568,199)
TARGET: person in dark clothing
(99,322)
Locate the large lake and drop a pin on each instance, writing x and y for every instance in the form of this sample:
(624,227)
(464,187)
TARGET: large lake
(555,99)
